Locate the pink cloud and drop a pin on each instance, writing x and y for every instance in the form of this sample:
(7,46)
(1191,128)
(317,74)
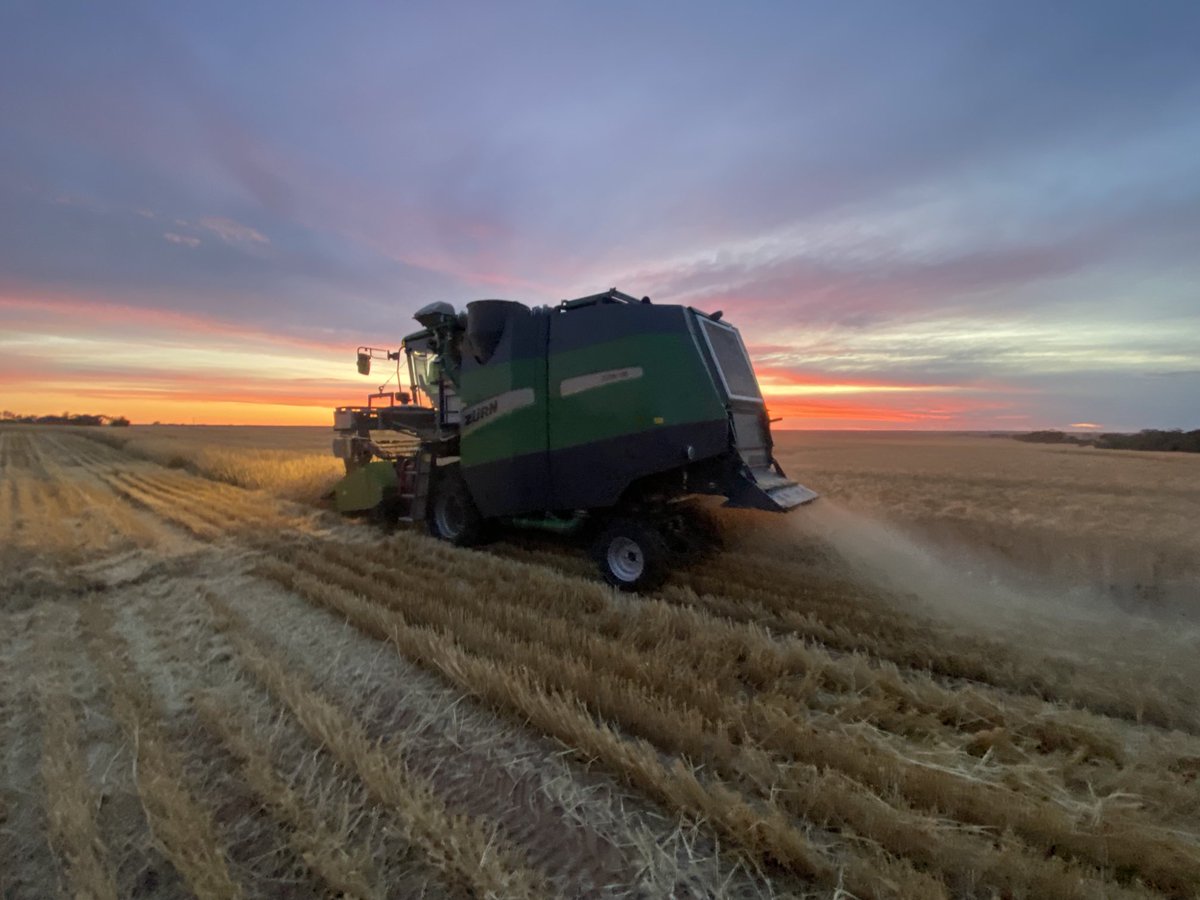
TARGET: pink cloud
(74,315)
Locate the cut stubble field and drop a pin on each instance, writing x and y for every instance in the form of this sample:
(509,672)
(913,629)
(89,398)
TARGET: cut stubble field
(969,671)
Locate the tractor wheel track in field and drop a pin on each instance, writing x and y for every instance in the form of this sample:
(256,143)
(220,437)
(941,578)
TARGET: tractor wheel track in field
(183,827)
(96,842)
(468,850)
(214,828)
(71,801)
(24,820)
(327,820)
(529,798)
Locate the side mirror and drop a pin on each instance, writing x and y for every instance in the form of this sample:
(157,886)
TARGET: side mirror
(364,364)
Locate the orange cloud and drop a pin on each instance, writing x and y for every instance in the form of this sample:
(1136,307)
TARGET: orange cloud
(854,415)
(797,399)
(783,383)
(61,352)
(202,411)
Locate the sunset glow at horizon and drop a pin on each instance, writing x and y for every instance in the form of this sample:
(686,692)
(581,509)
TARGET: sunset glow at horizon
(970,219)
(225,375)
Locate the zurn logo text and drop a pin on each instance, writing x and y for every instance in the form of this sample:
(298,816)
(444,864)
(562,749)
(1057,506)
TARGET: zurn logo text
(487,411)
(481,411)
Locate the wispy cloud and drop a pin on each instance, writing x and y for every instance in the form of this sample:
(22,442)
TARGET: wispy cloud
(232,232)
(185,240)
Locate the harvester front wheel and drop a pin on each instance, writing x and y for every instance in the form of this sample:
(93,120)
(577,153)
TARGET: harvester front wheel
(632,555)
(453,516)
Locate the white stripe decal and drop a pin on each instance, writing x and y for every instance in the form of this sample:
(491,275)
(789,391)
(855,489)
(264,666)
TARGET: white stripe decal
(580,383)
(493,408)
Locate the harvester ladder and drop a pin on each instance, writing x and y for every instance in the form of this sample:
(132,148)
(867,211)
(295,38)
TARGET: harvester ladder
(422,474)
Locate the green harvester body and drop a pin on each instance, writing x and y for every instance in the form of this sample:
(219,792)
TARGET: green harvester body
(596,406)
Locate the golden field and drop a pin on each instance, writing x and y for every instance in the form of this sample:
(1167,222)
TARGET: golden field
(968,671)
(293,462)
(1122,520)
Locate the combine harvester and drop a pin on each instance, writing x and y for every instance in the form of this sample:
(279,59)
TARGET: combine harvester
(600,416)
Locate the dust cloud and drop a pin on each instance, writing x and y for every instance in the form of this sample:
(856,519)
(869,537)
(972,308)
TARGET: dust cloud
(942,576)
(962,584)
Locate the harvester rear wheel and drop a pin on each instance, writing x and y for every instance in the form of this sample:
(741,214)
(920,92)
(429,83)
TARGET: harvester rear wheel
(632,555)
(453,516)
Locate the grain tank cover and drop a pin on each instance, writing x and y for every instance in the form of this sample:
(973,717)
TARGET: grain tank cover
(487,320)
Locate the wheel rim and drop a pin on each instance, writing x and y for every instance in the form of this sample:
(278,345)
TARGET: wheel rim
(625,559)
(450,516)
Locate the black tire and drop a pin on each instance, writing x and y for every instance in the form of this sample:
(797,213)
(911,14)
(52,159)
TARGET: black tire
(386,514)
(453,516)
(632,555)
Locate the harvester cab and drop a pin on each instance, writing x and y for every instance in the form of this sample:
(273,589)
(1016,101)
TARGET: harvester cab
(604,415)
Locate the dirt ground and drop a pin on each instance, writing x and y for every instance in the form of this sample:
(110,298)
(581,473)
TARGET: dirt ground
(210,688)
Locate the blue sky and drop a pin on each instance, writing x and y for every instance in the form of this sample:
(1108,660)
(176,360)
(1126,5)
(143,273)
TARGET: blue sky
(954,215)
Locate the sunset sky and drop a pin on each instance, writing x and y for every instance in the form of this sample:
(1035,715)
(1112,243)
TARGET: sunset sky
(921,215)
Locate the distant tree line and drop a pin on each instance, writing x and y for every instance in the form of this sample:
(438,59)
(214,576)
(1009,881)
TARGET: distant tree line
(65,419)
(1177,440)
